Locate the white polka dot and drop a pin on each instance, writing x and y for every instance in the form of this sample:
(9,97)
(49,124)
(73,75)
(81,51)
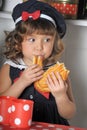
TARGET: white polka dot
(26,107)
(17,121)
(64,4)
(71,129)
(31,96)
(70,12)
(13,108)
(67,8)
(51,125)
(39,126)
(71,5)
(73,9)
(9,110)
(61,8)
(1,118)
(8,96)
(29,122)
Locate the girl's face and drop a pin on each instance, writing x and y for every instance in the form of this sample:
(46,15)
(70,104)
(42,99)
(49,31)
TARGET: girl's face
(36,44)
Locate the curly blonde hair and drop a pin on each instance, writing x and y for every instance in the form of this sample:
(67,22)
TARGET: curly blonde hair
(41,26)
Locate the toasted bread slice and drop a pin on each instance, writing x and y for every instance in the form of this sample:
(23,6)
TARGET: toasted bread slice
(41,84)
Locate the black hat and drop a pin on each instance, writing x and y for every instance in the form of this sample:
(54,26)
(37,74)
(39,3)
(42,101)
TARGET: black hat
(39,9)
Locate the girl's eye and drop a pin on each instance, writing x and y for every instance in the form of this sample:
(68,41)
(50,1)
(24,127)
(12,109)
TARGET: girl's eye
(31,40)
(47,40)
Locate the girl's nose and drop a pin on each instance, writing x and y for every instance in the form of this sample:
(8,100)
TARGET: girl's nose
(39,46)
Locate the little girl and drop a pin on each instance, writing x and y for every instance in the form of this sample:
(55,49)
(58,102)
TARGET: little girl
(38,32)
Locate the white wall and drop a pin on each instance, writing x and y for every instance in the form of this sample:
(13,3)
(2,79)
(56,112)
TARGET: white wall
(5,25)
(75,58)
(9,4)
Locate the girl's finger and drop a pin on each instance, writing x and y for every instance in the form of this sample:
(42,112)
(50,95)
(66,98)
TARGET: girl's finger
(37,74)
(50,82)
(61,82)
(55,79)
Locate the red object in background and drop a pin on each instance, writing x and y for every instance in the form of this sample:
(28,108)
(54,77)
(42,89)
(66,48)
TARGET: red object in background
(16,112)
(66,8)
(21,115)
(43,126)
(5,109)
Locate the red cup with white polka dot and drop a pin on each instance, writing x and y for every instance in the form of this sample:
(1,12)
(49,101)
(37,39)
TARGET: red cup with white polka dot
(5,109)
(21,115)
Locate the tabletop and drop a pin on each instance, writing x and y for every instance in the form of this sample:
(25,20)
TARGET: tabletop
(42,126)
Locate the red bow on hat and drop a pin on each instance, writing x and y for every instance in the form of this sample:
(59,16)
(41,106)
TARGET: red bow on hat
(35,15)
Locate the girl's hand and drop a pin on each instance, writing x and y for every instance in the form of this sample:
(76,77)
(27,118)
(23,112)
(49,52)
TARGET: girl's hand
(57,86)
(31,74)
